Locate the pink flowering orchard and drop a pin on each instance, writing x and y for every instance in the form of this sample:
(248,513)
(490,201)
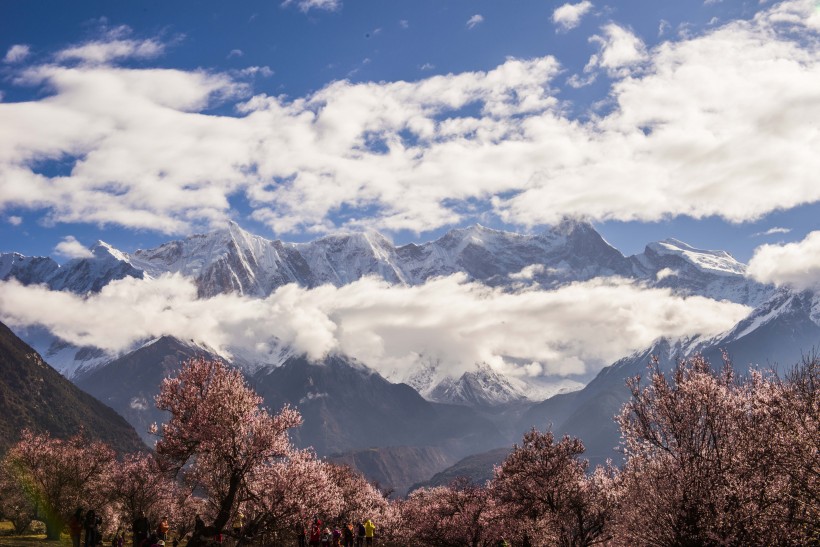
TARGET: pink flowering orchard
(219,435)
(716,459)
(56,476)
(545,486)
(139,485)
(711,458)
(461,514)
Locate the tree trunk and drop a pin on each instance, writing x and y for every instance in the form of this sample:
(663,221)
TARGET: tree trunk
(201,538)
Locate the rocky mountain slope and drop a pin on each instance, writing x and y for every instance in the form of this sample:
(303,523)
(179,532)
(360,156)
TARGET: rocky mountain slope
(776,335)
(349,407)
(130,383)
(395,468)
(477,468)
(35,396)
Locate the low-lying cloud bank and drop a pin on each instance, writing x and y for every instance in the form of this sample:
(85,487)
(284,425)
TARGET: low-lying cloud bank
(723,123)
(795,265)
(572,330)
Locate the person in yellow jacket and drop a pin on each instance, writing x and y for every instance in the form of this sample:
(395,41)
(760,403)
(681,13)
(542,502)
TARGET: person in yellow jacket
(238,523)
(369,531)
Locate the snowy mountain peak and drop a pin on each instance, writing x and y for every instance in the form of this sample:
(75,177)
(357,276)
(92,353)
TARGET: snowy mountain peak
(457,240)
(569,225)
(105,251)
(716,262)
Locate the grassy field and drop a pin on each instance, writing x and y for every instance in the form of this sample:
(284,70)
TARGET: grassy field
(7,539)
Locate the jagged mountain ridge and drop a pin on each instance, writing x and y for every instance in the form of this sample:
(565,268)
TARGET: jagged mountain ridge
(78,275)
(234,260)
(483,387)
(715,274)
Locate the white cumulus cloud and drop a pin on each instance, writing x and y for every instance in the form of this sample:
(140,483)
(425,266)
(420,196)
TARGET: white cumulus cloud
(619,50)
(106,51)
(575,329)
(795,265)
(568,16)
(696,126)
(773,231)
(69,247)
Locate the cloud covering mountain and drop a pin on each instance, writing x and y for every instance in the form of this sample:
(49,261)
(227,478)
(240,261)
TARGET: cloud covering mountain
(557,332)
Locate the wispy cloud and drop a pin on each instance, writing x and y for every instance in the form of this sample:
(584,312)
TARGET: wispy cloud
(264,71)
(114,45)
(17,53)
(307,5)
(772,231)
(69,247)
(235,53)
(475,20)
(568,16)
(572,330)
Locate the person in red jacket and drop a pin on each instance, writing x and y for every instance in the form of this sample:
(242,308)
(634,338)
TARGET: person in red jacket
(75,527)
(316,532)
(162,528)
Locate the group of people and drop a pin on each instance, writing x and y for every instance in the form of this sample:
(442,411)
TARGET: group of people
(348,535)
(84,528)
(360,534)
(144,535)
(89,523)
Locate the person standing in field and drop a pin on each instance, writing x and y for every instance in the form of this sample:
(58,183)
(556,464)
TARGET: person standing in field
(369,532)
(75,527)
(162,529)
(360,531)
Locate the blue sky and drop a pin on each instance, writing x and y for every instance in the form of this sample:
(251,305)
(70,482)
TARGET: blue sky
(298,50)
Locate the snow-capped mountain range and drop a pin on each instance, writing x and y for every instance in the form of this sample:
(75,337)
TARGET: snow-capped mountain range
(232,260)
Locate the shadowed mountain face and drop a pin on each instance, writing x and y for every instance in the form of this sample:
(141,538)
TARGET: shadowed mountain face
(395,468)
(776,335)
(345,406)
(130,383)
(35,396)
(478,469)
(348,407)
